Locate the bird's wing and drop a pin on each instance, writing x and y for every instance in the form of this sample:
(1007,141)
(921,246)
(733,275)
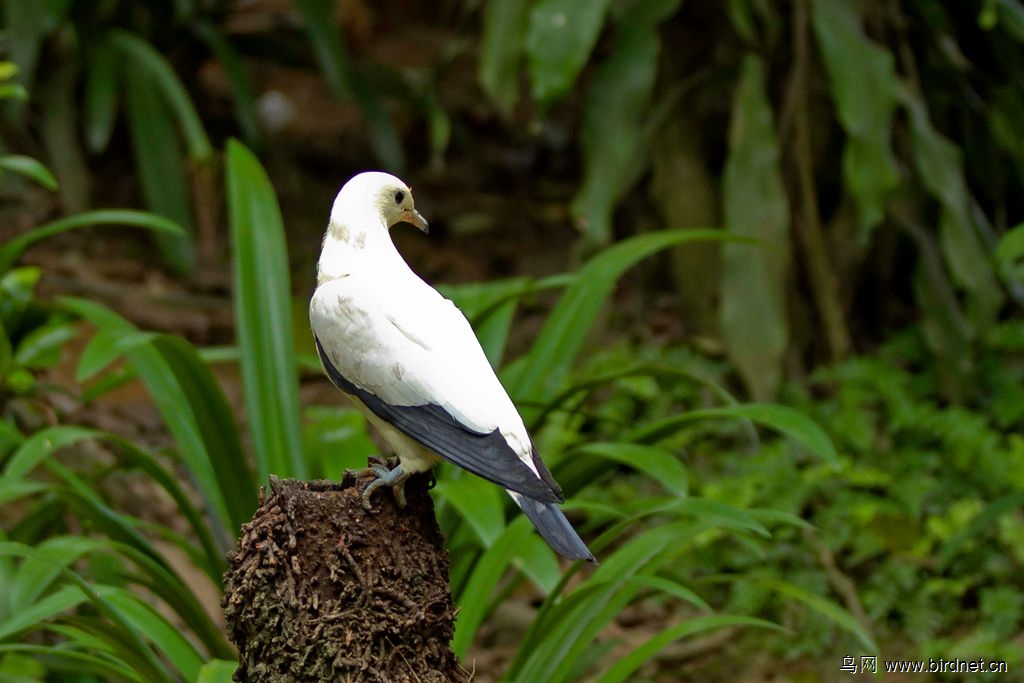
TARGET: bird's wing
(411,356)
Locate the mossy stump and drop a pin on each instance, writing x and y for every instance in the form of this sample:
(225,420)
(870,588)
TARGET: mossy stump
(320,589)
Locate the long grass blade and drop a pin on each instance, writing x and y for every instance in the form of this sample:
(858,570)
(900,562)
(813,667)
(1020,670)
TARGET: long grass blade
(160,74)
(30,168)
(101,90)
(475,601)
(625,666)
(196,412)
(343,78)
(159,162)
(783,419)
(72,661)
(660,465)
(238,79)
(12,249)
(542,372)
(263,317)
(826,608)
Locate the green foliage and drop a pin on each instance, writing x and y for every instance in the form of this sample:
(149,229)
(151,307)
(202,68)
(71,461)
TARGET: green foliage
(753,311)
(619,99)
(344,79)
(120,635)
(263,315)
(543,371)
(504,28)
(116,54)
(916,524)
(897,523)
(865,100)
(909,151)
(559,39)
(94,594)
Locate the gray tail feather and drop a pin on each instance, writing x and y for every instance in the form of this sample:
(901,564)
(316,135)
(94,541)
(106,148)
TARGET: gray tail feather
(554,527)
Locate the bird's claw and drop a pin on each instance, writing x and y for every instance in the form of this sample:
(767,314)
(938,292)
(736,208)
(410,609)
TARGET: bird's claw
(382,476)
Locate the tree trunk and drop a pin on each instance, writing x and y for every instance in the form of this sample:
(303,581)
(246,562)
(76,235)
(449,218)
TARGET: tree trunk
(320,589)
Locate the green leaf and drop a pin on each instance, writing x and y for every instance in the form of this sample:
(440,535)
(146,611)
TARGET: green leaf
(987,519)
(107,346)
(571,630)
(167,638)
(785,420)
(617,100)
(826,608)
(89,507)
(42,445)
(196,413)
(669,587)
(660,465)
(1011,245)
(542,372)
(344,79)
(152,70)
(238,78)
(475,600)
(101,90)
(125,640)
(717,513)
(12,249)
(41,347)
(335,439)
(865,100)
(563,632)
(538,562)
(560,37)
(31,618)
(27,24)
(940,165)
(478,502)
(213,562)
(1010,16)
(217,671)
(36,574)
(625,666)
(753,310)
(15,489)
(159,162)
(69,661)
(501,49)
(30,168)
(263,317)
(13,91)
(232,478)
(6,357)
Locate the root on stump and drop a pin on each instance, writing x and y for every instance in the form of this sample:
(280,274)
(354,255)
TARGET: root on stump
(321,589)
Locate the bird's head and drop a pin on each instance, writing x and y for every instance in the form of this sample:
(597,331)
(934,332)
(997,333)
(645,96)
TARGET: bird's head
(375,195)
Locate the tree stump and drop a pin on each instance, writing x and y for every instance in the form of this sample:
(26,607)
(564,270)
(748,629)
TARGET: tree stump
(320,589)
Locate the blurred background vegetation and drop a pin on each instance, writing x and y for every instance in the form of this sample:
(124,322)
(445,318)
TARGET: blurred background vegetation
(792,432)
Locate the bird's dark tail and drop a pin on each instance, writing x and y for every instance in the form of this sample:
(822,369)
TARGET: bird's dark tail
(554,527)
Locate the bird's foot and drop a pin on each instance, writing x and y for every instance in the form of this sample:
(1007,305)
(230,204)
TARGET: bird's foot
(382,476)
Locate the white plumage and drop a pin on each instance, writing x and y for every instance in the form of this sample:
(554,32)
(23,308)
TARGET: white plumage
(410,360)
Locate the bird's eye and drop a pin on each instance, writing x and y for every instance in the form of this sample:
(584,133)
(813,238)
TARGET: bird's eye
(399,197)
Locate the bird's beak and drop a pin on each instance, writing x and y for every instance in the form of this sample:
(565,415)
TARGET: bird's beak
(413,216)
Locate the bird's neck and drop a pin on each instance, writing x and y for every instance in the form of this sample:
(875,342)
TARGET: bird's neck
(349,251)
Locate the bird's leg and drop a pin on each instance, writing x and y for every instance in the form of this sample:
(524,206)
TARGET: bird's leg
(382,476)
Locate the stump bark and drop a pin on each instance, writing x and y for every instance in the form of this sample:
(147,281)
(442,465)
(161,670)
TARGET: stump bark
(320,589)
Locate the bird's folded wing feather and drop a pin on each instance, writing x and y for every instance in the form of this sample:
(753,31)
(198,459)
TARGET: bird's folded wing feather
(411,356)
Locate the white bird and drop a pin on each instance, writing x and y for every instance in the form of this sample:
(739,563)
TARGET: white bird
(408,358)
